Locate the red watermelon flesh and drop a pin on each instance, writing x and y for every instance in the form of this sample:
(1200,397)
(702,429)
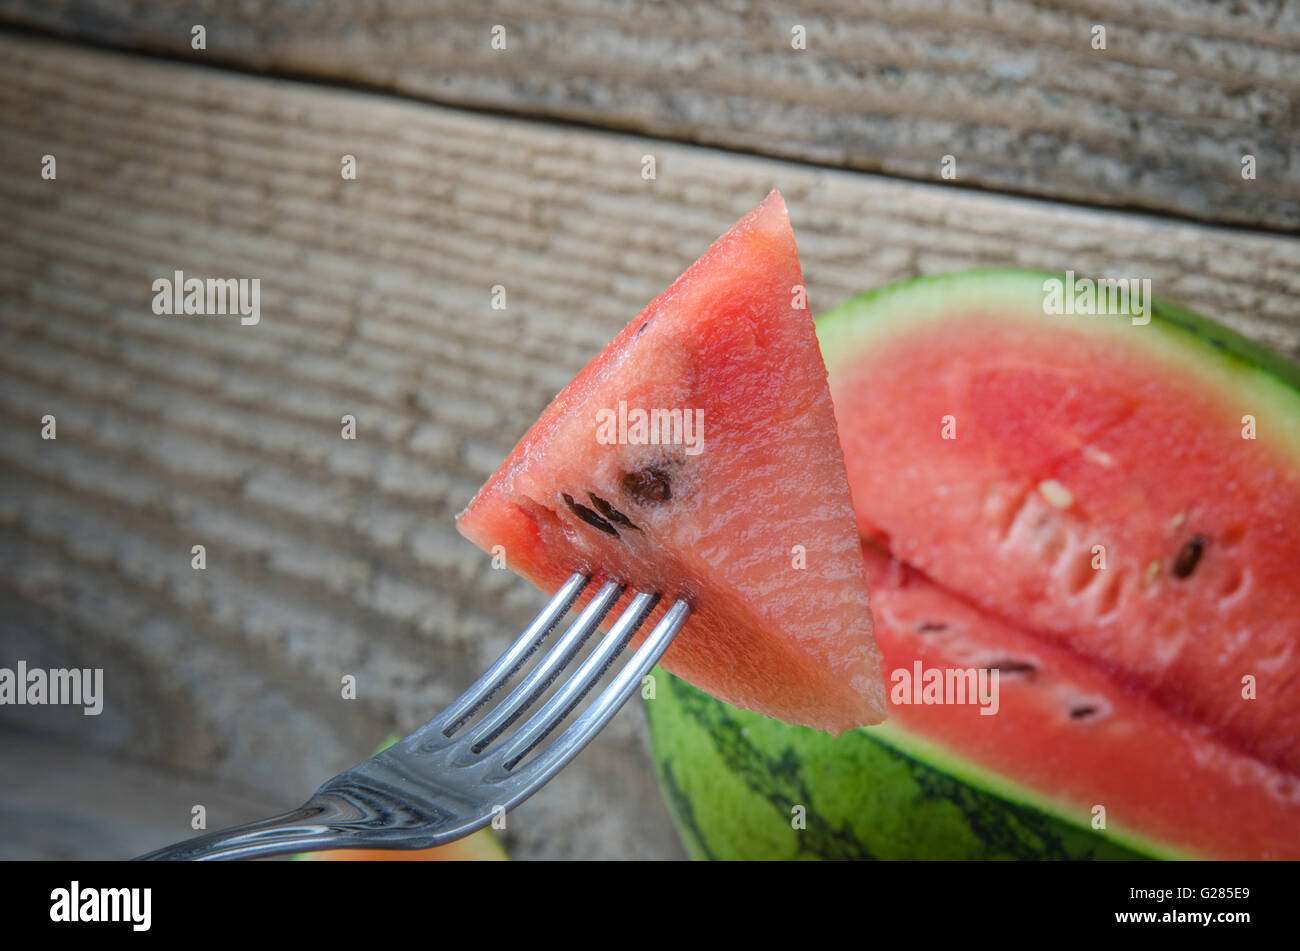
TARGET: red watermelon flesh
(1072,732)
(752,523)
(1153,468)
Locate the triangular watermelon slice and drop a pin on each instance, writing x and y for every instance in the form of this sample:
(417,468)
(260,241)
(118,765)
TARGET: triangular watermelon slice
(698,456)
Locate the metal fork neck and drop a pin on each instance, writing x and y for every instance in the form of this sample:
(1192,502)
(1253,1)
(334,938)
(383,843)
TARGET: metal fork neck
(333,818)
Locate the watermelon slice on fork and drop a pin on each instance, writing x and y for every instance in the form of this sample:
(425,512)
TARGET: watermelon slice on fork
(697,456)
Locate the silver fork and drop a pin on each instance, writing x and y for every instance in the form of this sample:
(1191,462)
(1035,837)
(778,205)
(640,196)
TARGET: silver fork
(436,785)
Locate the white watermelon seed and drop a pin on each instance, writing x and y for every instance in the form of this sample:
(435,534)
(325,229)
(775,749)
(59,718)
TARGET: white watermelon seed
(1055,493)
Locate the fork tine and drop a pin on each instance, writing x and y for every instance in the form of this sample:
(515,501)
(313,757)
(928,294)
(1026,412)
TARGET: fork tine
(466,704)
(572,741)
(541,676)
(576,687)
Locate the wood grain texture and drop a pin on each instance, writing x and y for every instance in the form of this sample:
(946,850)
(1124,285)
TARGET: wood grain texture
(326,556)
(1012,89)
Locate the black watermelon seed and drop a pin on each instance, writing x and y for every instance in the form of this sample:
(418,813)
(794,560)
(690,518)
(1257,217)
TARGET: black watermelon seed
(1014,667)
(588,516)
(648,486)
(926,626)
(611,513)
(1080,713)
(1190,555)
(640,330)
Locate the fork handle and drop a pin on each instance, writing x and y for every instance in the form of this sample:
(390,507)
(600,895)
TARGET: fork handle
(331,819)
(312,825)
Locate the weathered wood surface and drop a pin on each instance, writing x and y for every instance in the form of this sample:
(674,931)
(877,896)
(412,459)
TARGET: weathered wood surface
(1012,89)
(327,556)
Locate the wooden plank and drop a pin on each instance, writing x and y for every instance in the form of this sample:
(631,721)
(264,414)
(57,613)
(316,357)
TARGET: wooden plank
(1013,90)
(327,557)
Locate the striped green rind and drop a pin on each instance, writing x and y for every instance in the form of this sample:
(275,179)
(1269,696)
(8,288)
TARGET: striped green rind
(733,781)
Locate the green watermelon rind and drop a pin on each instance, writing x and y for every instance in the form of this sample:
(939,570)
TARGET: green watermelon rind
(987,815)
(956,766)
(732,778)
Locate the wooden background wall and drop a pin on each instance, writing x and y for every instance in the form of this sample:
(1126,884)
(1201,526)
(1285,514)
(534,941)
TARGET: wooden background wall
(478,167)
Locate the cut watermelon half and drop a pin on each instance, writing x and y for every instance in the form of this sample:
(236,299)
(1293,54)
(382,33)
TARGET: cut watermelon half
(697,456)
(1123,490)
(1101,508)
(1114,516)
